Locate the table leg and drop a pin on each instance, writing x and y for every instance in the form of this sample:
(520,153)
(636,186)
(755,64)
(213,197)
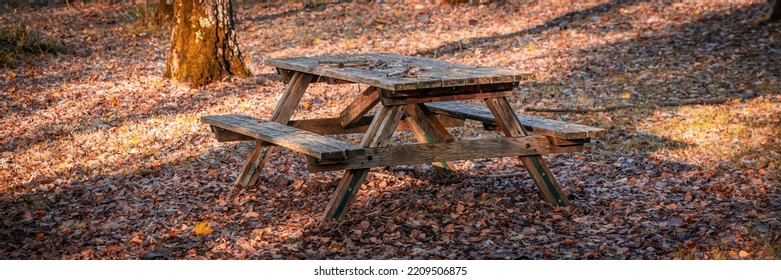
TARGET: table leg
(282,113)
(427,129)
(378,134)
(535,165)
(359,107)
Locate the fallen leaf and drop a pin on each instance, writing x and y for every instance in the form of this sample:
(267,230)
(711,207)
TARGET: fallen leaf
(136,240)
(203,229)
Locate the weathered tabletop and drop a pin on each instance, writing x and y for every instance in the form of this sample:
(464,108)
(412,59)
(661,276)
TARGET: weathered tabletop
(394,72)
(408,90)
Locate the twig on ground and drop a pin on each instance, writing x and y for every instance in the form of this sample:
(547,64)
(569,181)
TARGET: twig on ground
(506,175)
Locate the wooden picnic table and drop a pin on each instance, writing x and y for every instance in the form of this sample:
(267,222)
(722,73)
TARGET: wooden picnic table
(421,92)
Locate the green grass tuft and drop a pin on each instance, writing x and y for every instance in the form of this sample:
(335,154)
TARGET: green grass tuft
(20,41)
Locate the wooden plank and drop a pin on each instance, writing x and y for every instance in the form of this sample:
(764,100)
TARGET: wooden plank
(375,68)
(427,129)
(553,128)
(282,114)
(535,165)
(437,152)
(450,90)
(568,142)
(334,126)
(359,107)
(440,98)
(303,141)
(378,135)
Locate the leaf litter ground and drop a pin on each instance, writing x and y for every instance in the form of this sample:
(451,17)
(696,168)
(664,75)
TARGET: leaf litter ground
(102,159)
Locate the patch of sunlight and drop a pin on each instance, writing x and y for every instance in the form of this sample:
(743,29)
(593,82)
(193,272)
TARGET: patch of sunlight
(710,134)
(129,146)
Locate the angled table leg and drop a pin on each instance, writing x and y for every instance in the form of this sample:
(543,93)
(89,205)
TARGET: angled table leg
(282,113)
(535,165)
(380,131)
(359,107)
(427,129)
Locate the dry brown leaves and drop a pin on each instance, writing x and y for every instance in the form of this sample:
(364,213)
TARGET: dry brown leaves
(102,159)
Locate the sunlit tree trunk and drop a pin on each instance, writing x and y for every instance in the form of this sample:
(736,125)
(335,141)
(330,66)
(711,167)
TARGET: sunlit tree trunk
(775,11)
(165,10)
(203,43)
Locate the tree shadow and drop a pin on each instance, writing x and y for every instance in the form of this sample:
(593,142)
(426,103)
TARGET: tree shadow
(148,212)
(315,8)
(107,115)
(408,218)
(557,22)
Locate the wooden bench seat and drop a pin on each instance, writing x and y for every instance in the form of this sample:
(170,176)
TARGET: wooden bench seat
(315,145)
(552,128)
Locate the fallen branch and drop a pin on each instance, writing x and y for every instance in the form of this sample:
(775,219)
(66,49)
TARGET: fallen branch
(343,64)
(672,103)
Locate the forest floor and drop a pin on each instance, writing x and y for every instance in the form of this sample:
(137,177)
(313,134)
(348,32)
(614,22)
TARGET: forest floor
(102,158)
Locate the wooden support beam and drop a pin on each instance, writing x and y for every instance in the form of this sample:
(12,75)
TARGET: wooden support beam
(388,101)
(568,142)
(380,131)
(449,90)
(359,107)
(229,136)
(282,114)
(333,125)
(330,126)
(437,152)
(427,129)
(535,165)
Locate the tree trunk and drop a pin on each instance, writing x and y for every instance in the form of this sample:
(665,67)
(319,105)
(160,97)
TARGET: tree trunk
(203,43)
(165,10)
(775,12)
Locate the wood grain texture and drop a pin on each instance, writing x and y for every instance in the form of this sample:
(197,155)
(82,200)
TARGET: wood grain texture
(378,135)
(553,128)
(438,152)
(431,74)
(299,140)
(359,107)
(387,101)
(427,129)
(535,165)
(282,114)
(333,125)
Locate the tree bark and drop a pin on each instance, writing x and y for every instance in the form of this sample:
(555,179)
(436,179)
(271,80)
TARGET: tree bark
(203,43)
(165,10)
(775,12)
